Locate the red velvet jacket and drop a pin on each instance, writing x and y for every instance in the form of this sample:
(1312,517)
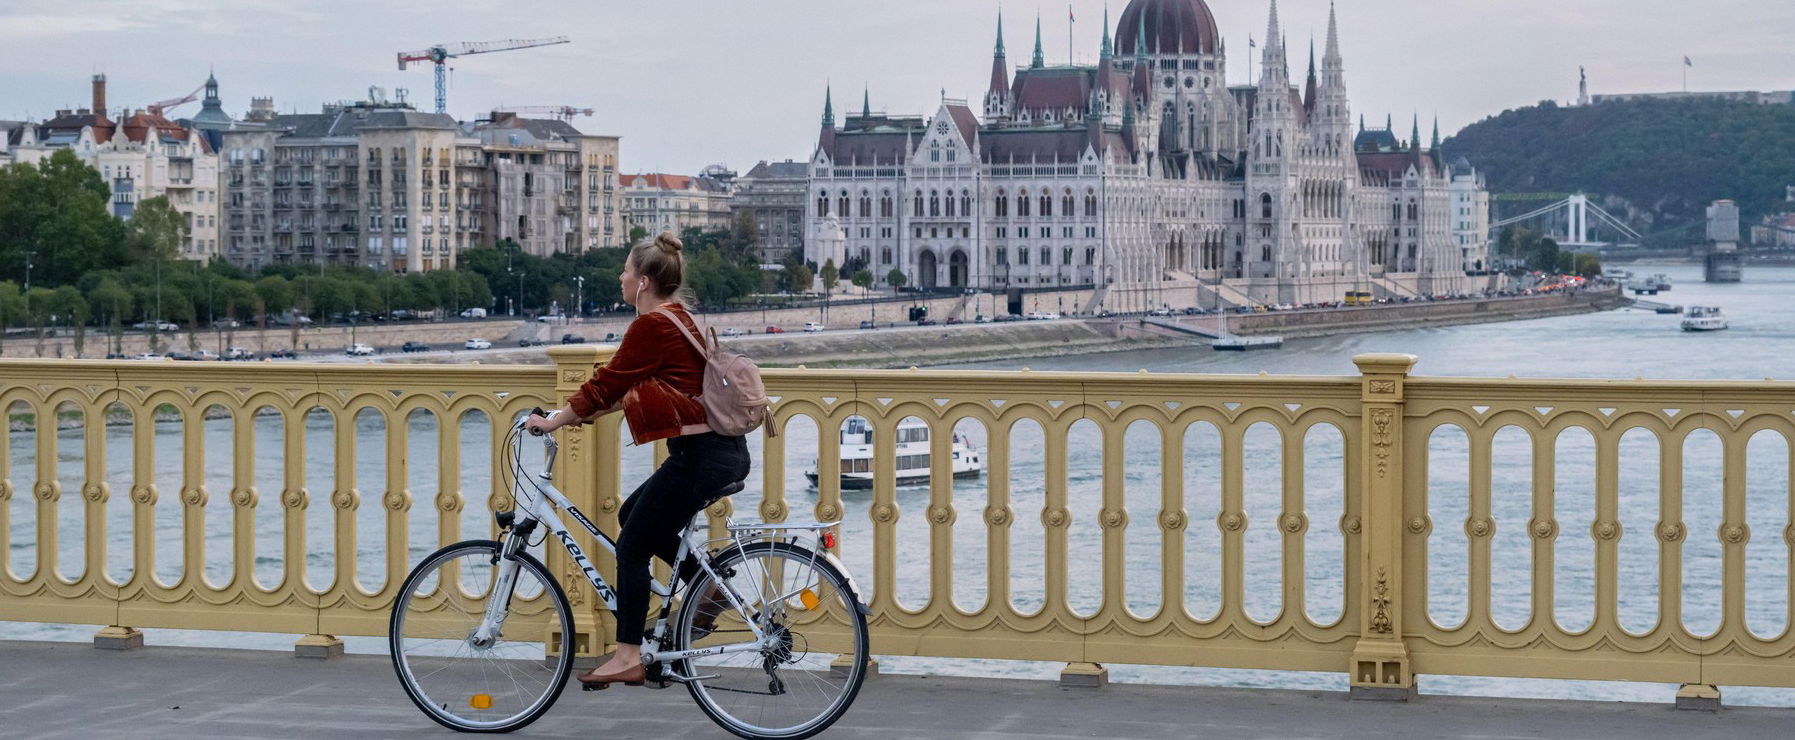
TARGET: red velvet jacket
(656,374)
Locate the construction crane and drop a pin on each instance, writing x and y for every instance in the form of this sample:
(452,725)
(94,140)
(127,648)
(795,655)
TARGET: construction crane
(442,53)
(561,112)
(158,107)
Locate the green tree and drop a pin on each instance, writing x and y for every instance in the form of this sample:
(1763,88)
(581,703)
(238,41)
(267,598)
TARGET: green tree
(40,305)
(863,278)
(637,234)
(156,232)
(112,303)
(56,211)
(12,308)
(831,277)
(798,277)
(743,238)
(71,309)
(276,294)
(895,278)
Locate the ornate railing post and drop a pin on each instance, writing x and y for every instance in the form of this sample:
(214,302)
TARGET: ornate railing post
(586,471)
(1380,660)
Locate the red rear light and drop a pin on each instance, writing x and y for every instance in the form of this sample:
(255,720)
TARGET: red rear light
(828,540)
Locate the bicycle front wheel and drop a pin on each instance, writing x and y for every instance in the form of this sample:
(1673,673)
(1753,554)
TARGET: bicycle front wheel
(808,671)
(460,680)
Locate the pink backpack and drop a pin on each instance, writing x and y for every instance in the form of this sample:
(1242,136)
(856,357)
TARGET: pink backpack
(734,398)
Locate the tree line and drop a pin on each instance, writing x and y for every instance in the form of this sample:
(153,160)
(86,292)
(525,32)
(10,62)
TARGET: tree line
(68,262)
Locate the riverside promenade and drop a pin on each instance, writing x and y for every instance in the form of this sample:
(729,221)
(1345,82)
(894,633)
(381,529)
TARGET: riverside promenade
(70,690)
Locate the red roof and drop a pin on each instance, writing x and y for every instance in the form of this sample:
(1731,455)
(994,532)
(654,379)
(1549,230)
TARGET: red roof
(965,121)
(660,181)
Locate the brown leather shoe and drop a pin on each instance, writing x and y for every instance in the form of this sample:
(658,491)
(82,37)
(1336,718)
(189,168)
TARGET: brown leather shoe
(630,676)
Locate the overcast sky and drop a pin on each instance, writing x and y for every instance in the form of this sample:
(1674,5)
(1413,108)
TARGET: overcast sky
(688,83)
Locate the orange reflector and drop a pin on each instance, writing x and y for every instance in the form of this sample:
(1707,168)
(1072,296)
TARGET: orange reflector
(480,701)
(809,598)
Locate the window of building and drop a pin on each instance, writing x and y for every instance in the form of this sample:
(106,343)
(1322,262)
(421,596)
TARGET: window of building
(1046,255)
(1265,205)
(918,208)
(1022,256)
(1022,204)
(822,205)
(934,204)
(1003,255)
(1090,204)
(1046,205)
(1066,256)
(885,205)
(1090,255)
(1000,207)
(1066,208)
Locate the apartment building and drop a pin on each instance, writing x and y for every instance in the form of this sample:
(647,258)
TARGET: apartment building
(378,184)
(662,202)
(141,155)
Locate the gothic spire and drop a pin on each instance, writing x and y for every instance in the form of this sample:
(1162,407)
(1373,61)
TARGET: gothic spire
(828,107)
(1040,60)
(1106,44)
(1140,43)
(1415,134)
(1333,50)
(999,52)
(1436,144)
(866,106)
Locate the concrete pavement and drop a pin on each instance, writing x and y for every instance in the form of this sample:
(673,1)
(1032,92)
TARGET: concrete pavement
(71,690)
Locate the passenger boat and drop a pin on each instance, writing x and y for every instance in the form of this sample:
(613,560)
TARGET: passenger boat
(912,456)
(1703,318)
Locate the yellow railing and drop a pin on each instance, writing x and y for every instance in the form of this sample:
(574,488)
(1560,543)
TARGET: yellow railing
(1375,524)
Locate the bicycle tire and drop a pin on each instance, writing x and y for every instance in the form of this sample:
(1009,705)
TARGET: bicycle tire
(395,625)
(838,582)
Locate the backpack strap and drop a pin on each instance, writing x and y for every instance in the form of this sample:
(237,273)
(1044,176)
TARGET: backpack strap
(681,325)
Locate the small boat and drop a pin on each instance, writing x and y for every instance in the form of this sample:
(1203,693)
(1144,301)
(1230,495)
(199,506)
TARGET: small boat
(1653,285)
(1703,318)
(1236,343)
(913,464)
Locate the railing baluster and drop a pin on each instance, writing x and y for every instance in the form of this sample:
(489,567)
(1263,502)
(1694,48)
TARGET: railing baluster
(1735,531)
(47,490)
(1544,529)
(344,500)
(1479,615)
(1058,520)
(1171,520)
(243,500)
(194,498)
(885,511)
(397,498)
(94,491)
(1291,524)
(1670,556)
(1233,523)
(1000,515)
(941,515)
(1607,561)
(1112,517)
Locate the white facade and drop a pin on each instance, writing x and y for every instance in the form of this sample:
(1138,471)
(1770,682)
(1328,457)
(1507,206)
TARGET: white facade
(144,155)
(1470,217)
(1145,176)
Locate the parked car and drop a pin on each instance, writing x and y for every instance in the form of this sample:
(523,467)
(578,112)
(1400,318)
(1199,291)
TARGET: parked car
(1161,311)
(813,326)
(528,342)
(478,343)
(953,321)
(238,353)
(733,332)
(359,350)
(775,330)
(981,319)
(474,313)
(1006,318)
(414,347)
(283,354)
(926,322)
(181,357)
(149,356)
(572,339)
(610,337)
(205,355)
(553,318)
(157,325)
(227,324)
(868,325)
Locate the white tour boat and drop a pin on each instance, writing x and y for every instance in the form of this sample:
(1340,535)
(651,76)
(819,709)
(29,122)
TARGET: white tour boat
(1703,318)
(912,456)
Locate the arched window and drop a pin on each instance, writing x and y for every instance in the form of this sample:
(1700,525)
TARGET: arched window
(1000,207)
(1066,206)
(935,151)
(919,204)
(950,153)
(1411,209)
(842,205)
(934,203)
(1022,204)
(1265,205)
(965,203)
(1090,203)
(822,204)
(1265,253)
(885,205)
(866,204)
(1046,205)
(950,204)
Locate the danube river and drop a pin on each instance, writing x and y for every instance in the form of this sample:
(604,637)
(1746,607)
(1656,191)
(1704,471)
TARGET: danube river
(1618,344)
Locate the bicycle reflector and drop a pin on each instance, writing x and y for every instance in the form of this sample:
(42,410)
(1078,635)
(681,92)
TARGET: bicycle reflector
(809,597)
(828,540)
(480,701)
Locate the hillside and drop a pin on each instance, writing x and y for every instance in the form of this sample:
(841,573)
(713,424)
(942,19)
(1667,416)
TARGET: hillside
(1666,159)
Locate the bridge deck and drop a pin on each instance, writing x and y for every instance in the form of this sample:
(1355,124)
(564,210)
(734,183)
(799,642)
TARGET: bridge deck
(65,690)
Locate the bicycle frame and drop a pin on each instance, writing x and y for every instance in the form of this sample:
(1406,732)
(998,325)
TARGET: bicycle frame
(541,509)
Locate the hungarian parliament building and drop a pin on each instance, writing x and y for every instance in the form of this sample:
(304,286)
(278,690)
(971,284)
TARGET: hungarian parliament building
(1150,179)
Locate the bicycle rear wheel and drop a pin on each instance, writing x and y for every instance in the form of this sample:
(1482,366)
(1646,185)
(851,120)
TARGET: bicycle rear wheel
(465,685)
(808,676)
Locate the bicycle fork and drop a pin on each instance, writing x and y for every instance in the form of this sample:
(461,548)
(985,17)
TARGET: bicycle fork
(498,605)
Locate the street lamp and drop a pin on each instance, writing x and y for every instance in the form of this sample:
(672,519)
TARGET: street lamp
(579,301)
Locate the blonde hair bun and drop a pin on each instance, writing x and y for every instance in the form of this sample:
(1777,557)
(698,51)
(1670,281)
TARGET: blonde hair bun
(668,243)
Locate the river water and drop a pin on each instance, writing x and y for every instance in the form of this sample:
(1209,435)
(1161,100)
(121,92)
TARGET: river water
(1621,344)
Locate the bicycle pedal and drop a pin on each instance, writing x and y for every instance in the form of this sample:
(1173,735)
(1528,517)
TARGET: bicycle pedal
(594,686)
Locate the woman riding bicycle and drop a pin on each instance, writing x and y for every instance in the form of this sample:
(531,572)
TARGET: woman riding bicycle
(654,378)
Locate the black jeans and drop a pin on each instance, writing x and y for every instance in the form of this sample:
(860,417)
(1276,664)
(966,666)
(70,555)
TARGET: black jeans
(697,468)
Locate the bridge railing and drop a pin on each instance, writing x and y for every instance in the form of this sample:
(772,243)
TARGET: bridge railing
(1380,524)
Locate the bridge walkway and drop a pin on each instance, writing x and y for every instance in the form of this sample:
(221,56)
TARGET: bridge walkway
(71,690)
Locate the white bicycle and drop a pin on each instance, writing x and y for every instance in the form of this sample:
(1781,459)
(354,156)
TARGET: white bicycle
(473,627)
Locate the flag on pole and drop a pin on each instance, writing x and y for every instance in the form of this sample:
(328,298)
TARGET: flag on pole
(1687,62)
(1251,44)
(1069,15)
